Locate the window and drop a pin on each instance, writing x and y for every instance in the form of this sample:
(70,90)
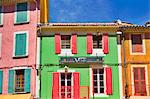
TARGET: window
(65,41)
(21,44)
(139,81)
(21,15)
(66,85)
(97,41)
(19,80)
(98,81)
(137,44)
(1,15)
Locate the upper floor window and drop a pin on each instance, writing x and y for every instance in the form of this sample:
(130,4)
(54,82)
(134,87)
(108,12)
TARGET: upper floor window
(20,44)
(21,15)
(1,15)
(137,43)
(97,41)
(65,41)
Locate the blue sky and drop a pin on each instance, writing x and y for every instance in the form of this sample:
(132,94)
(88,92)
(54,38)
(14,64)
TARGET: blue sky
(132,11)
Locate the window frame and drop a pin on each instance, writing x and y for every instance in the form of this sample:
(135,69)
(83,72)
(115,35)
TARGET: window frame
(146,78)
(27,43)
(143,45)
(97,41)
(91,81)
(66,40)
(28,14)
(2,15)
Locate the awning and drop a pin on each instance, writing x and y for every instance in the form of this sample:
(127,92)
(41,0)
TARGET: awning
(16,96)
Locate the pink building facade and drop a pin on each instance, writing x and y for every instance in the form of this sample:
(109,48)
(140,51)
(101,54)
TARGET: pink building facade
(18,28)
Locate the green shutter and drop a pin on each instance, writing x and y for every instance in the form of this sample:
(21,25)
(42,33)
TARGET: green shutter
(11,81)
(1,81)
(27,80)
(0,14)
(21,14)
(20,46)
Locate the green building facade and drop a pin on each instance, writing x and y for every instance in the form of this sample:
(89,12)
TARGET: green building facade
(79,61)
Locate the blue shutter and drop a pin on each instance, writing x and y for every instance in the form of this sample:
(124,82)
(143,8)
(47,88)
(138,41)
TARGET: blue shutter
(11,81)
(27,80)
(20,46)
(1,81)
(21,14)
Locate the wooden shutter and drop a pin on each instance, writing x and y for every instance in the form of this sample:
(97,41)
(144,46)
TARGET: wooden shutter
(108,80)
(21,14)
(139,81)
(105,43)
(11,81)
(55,87)
(74,44)
(1,81)
(57,43)
(89,43)
(76,87)
(27,77)
(20,44)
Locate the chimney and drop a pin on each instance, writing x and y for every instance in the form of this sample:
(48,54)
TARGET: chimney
(147,24)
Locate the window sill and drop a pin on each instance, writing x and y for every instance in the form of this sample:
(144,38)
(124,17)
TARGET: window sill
(20,23)
(21,56)
(136,53)
(100,95)
(66,52)
(20,92)
(97,52)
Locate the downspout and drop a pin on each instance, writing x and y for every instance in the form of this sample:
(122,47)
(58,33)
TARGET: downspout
(125,67)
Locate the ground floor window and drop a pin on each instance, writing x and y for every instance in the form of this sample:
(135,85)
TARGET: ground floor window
(66,85)
(139,81)
(98,81)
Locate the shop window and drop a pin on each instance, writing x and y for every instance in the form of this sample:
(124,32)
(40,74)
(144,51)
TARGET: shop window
(139,81)
(66,85)
(65,41)
(97,42)
(137,44)
(98,81)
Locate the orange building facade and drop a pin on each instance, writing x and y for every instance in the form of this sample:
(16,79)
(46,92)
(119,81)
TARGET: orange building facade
(135,53)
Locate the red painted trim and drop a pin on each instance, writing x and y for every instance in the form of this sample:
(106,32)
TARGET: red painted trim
(108,80)
(105,43)
(89,43)
(76,86)
(55,87)
(57,43)
(74,44)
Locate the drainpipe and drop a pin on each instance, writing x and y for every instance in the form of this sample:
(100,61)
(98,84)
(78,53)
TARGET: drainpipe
(125,68)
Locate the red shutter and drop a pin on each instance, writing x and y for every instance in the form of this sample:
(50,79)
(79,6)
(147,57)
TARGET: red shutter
(74,44)
(108,80)
(89,44)
(105,43)
(55,90)
(76,87)
(57,43)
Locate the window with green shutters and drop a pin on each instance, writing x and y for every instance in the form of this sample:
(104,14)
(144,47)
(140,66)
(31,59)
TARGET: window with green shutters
(21,15)
(1,81)
(21,44)
(1,15)
(19,81)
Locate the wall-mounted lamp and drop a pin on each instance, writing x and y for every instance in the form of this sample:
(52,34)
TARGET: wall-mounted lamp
(66,69)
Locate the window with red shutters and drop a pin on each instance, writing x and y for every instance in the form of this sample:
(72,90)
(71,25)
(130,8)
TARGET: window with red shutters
(65,41)
(97,41)
(139,81)
(137,44)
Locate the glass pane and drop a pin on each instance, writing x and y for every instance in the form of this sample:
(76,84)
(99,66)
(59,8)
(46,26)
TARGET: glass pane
(68,83)
(101,83)
(95,77)
(101,90)
(101,77)
(69,76)
(62,83)
(62,76)
(95,90)
(94,71)
(62,95)
(95,83)
(62,88)
(101,71)
(68,88)
(69,95)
